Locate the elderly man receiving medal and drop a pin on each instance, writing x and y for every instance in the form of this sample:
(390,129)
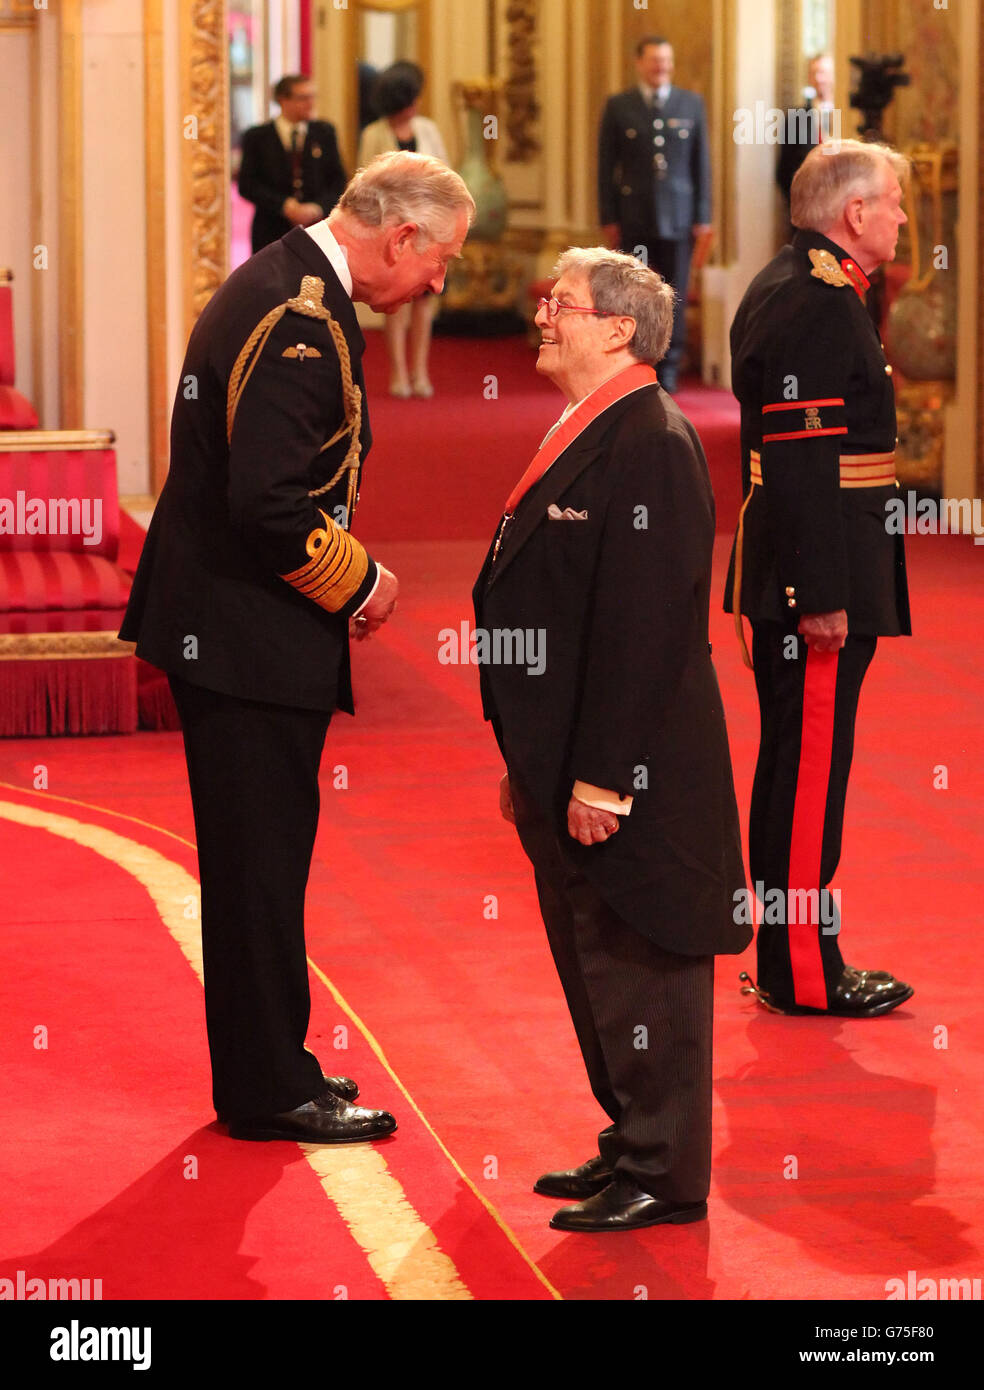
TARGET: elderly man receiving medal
(618,776)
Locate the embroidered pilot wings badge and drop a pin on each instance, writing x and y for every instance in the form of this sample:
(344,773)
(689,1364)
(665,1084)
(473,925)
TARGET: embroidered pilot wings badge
(302,350)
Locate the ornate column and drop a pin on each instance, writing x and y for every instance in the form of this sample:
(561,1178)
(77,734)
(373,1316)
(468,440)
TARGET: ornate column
(205,163)
(71,280)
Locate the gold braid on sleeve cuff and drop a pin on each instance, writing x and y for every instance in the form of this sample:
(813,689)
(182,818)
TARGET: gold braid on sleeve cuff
(337,567)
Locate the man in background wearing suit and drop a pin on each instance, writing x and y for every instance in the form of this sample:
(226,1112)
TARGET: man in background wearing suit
(618,774)
(290,167)
(249,587)
(810,124)
(654,179)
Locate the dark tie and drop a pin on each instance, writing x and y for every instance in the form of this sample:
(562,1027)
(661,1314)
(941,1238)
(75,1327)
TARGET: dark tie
(295,160)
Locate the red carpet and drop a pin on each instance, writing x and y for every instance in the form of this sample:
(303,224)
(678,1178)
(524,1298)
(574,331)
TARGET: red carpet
(882,1120)
(436,473)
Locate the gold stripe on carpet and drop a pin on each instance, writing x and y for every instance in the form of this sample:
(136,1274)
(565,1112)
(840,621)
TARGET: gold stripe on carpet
(506,1229)
(400,1247)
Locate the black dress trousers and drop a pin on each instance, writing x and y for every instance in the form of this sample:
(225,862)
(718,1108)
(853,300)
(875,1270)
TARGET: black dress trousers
(253,772)
(797,810)
(643,1019)
(671,259)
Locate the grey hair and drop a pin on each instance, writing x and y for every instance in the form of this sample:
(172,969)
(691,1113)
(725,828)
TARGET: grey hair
(621,284)
(832,174)
(404,187)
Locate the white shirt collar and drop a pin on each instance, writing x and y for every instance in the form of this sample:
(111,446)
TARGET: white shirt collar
(662,92)
(285,129)
(324,239)
(569,409)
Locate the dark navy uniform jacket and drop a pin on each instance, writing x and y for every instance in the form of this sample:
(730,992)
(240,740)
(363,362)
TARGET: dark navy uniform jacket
(654,172)
(239,555)
(810,374)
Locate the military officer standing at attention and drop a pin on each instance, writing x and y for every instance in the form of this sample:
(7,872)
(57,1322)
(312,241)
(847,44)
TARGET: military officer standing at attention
(654,179)
(291,168)
(813,566)
(249,587)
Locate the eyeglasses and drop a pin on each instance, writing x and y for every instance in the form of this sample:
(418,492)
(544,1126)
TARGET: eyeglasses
(554,307)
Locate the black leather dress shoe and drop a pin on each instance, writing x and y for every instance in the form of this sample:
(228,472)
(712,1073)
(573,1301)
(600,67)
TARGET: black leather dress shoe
(859,994)
(325,1120)
(342,1086)
(576,1183)
(623,1206)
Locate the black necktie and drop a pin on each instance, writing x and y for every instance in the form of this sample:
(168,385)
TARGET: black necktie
(295,159)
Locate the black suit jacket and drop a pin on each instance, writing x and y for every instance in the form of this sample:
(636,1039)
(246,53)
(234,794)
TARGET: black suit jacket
(628,698)
(801,135)
(265,176)
(654,170)
(233,518)
(810,374)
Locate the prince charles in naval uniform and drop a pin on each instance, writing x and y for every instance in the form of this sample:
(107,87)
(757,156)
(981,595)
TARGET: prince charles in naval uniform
(249,587)
(618,774)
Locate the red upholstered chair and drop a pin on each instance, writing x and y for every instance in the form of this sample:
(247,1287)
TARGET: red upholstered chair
(62,594)
(16,411)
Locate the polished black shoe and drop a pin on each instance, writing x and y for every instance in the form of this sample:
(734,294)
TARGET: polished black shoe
(325,1120)
(859,994)
(342,1086)
(576,1183)
(623,1206)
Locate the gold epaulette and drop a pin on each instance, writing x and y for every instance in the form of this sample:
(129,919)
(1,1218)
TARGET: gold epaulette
(337,567)
(827,267)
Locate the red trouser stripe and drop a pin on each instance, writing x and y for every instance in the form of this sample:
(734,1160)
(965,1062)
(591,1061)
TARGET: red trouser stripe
(809,812)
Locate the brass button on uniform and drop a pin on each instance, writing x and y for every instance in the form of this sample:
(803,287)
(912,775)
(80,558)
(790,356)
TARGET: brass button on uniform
(888,369)
(790,592)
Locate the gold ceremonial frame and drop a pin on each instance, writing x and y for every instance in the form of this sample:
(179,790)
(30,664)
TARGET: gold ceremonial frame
(423,57)
(980,254)
(203,136)
(71,265)
(154,163)
(35,441)
(204,152)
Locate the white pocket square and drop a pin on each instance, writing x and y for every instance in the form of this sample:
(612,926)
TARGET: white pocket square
(568,514)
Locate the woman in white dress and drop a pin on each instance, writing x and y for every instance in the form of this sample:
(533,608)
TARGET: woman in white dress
(396,94)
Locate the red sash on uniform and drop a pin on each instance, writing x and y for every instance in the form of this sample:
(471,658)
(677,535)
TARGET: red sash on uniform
(633,378)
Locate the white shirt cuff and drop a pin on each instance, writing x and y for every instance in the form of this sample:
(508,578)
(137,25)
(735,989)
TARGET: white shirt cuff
(368,595)
(601,799)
